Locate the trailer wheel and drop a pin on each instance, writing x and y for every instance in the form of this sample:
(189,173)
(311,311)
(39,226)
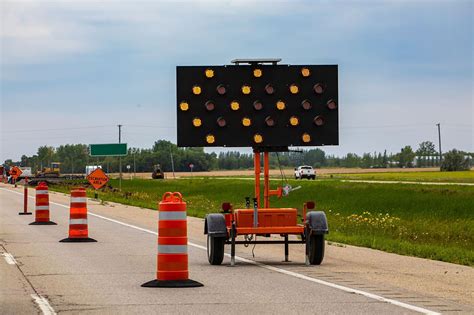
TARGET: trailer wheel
(316,249)
(215,249)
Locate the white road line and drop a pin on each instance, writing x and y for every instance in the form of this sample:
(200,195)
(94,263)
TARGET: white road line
(279,270)
(43,304)
(9,259)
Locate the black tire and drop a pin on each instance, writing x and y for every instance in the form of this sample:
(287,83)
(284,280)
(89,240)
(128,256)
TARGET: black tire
(316,249)
(313,177)
(215,249)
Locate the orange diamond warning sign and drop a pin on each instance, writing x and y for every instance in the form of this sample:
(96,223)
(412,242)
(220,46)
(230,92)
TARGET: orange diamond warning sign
(97,178)
(15,172)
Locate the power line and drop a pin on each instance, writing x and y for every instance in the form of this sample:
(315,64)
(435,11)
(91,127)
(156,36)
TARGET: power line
(54,129)
(385,126)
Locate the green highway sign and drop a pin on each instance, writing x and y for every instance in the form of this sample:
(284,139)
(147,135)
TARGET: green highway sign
(108,149)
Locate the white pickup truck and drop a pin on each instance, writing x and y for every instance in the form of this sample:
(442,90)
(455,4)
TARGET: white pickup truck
(305,171)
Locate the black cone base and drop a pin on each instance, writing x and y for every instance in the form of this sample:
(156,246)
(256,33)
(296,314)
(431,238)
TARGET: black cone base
(78,240)
(172,284)
(24,213)
(43,223)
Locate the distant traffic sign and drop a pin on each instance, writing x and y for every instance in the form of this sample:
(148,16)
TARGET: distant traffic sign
(97,178)
(15,172)
(109,149)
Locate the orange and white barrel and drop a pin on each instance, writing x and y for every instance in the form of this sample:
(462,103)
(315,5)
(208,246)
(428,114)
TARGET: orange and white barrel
(172,257)
(78,224)
(42,203)
(78,227)
(172,238)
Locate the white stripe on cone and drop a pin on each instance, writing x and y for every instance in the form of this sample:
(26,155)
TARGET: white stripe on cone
(172,215)
(78,199)
(77,221)
(172,249)
(41,192)
(42,207)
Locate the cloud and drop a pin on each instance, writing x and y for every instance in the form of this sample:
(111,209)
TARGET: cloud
(43,31)
(400,62)
(32,32)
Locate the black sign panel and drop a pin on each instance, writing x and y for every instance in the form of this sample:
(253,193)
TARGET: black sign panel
(260,106)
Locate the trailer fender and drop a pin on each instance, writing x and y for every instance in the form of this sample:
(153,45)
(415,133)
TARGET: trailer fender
(214,225)
(317,223)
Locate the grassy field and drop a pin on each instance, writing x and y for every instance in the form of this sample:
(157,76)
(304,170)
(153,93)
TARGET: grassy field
(448,177)
(437,176)
(435,222)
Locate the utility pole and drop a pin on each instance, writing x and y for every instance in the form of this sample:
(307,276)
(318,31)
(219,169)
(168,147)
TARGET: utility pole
(134,164)
(120,158)
(172,163)
(439,139)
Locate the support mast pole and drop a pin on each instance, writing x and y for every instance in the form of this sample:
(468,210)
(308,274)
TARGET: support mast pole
(257,176)
(266,184)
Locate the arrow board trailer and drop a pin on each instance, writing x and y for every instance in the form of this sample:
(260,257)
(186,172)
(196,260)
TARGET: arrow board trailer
(270,108)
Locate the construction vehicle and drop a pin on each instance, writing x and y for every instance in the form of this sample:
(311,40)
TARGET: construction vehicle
(52,171)
(269,108)
(157,172)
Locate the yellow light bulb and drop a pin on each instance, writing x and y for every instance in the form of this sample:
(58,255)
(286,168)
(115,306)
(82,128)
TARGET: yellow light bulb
(197,122)
(281,105)
(246,89)
(196,90)
(294,89)
(294,121)
(235,105)
(210,139)
(305,72)
(306,138)
(184,106)
(257,138)
(209,73)
(246,121)
(257,73)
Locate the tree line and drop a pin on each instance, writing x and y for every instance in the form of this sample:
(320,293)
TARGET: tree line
(75,157)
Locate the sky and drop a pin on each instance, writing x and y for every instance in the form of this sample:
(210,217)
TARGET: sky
(71,71)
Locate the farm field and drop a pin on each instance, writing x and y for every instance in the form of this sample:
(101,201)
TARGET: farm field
(435,222)
(448,177)
(275,172)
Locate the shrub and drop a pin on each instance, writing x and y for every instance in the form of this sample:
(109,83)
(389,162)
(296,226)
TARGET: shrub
(454,161)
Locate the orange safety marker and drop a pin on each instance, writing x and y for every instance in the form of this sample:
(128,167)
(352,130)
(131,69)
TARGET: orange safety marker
(78,228)
(172,268)
(25,199)
(42,205)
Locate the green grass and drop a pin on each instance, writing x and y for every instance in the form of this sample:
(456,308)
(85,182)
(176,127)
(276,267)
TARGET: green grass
(448,177)
(435,222)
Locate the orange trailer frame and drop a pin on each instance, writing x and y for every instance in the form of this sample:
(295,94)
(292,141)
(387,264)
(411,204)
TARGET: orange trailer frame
(266,220)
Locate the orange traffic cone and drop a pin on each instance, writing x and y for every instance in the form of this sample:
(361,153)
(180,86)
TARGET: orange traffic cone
(42,205)
(78,228)
(172,268)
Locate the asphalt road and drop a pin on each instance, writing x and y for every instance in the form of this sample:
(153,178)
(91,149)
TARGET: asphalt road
(41,275)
